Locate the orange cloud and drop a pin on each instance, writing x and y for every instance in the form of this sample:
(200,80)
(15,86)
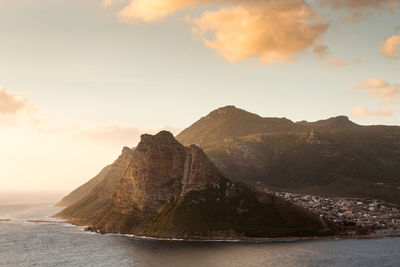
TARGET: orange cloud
(11,103)
(391,47)
(337,62)
(380,89)
(273,31)
(364,112)
(156,10)
(320,50)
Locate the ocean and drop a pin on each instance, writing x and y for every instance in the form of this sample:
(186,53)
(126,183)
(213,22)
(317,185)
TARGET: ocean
(24,243)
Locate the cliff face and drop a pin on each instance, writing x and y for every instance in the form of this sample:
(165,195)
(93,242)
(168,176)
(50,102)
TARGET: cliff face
(169,190)
(161,168)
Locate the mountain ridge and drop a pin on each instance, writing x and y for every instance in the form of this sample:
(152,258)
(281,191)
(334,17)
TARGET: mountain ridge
(321,157)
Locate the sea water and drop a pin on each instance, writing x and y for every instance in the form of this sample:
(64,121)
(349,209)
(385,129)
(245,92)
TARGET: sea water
(51,243)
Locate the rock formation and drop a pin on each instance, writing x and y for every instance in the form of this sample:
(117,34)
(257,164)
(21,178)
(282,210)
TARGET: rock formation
(169,190)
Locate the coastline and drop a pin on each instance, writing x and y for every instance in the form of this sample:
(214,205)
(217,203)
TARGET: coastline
(227,239)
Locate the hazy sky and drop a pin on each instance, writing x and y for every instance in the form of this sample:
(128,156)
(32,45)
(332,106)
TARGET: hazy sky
(80,79)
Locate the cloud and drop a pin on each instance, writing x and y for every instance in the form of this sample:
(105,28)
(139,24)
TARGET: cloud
(157,10)
(108,134)
(355,10)
(364,112)
(337,62)
(380,89)
(390,48)
(116,134)
(11,103)
(12,106)
(321,50)
(362,4)
(273,31)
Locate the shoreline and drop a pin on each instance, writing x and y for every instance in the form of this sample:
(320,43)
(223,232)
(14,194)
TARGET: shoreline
(254,240)
(229,240)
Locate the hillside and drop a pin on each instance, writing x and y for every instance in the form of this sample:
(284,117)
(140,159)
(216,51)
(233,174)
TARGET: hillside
(333,157)
(169,190)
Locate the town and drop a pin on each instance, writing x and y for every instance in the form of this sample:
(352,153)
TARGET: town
(355,216)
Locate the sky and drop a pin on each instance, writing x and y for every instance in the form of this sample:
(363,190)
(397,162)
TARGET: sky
(81,79)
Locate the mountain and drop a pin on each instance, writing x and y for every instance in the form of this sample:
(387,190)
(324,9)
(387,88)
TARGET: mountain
(333,157)
(231,122)
(169,190)
(108,177)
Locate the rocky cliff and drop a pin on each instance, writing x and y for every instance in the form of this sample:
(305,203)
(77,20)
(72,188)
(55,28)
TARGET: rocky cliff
(169,190)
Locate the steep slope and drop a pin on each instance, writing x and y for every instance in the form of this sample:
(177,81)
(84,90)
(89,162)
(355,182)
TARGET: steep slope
(333,157)
(169,190)
(103,187)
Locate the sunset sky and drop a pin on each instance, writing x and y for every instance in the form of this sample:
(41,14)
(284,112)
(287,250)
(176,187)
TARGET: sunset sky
(81,79)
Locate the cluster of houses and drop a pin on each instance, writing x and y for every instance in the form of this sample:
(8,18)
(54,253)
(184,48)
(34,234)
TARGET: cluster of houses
(357,216)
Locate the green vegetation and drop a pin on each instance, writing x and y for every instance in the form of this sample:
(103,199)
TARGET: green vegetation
(210,213)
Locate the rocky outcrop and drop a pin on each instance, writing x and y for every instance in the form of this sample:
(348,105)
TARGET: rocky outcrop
(169,190)
(161,169)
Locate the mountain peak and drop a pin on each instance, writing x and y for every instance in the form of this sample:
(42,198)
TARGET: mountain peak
(163,137)
(333,122)
(229,110)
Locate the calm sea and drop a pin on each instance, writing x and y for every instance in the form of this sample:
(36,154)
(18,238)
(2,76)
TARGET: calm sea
(25,243)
